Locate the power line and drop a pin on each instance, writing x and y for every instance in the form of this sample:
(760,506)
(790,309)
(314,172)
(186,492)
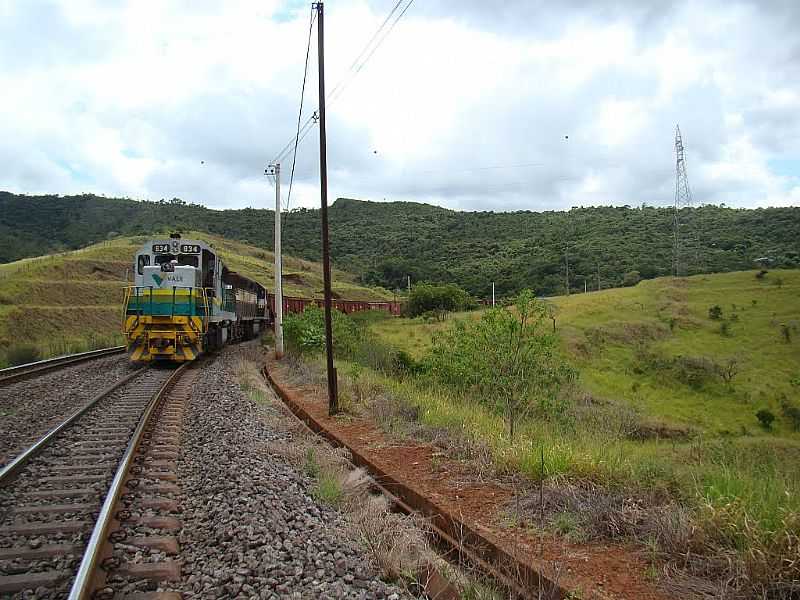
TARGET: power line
(375,48)
(300,112)
(356,66)
(364,49)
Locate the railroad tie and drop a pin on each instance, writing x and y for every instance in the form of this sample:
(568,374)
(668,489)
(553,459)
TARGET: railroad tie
(54,509)
(31,581)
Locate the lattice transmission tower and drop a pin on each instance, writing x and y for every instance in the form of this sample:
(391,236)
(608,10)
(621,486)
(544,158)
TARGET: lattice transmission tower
(683,199)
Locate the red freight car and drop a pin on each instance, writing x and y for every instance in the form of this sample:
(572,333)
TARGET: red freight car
(296,305)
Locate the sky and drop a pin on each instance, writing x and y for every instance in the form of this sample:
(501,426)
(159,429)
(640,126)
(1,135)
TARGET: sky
(474,105)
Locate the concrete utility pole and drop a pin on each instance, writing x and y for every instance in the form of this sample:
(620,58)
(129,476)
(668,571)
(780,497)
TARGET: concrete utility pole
(333,395)
(585,289)
(409,283)
(493,293)
(276,171)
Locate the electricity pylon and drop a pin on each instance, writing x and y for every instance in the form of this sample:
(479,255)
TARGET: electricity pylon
(683,199)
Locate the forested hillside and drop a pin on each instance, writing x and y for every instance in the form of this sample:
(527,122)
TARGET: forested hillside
(385,242)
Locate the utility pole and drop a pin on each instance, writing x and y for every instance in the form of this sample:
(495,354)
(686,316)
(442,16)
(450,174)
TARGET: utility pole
(493,293)
(409,283)
(333,396)
(585,289)
(276,171)
(566,261)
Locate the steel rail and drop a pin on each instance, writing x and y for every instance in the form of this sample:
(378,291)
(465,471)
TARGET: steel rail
(81,586)
(20,372)
(11,469)
(518,577)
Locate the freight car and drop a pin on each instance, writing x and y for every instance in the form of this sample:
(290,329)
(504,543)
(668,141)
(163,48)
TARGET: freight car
(298,305)
(185,301)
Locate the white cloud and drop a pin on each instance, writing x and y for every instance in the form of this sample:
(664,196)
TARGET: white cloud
(191,99)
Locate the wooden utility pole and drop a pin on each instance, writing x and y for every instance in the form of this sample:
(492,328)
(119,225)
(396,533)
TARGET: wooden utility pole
(333,396)
(276,171)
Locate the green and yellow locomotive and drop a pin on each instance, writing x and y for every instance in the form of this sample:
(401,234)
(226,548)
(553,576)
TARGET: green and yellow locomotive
(185,301)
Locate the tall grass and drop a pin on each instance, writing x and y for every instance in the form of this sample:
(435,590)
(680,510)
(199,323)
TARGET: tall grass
(743,501)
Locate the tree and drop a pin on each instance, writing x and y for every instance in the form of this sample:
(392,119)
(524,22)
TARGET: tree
(438,300)
(631,278)
(507,358)
(715,312)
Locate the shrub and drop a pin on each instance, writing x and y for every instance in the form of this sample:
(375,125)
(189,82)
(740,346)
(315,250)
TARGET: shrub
(715,312)
(631,278)
(406,365)
(765,417)
(694,371)
(506,360)
(438,300)
(792,413)
(761,274)
(305,332)
(21,354)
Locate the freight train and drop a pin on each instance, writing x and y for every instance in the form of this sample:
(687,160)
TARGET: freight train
(185,301)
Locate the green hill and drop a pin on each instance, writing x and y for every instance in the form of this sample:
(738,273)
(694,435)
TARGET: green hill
(654,347)
(383,242)
(72,301)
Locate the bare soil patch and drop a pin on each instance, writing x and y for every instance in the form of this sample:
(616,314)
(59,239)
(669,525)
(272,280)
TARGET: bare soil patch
(594,569)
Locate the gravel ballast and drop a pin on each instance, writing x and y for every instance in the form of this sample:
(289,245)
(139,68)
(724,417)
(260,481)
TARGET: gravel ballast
(30,408)
(251,528)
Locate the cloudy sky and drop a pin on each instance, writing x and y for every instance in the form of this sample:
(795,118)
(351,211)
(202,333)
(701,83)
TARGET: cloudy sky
(472,105)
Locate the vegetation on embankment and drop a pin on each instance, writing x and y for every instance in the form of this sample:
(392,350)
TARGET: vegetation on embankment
(660,440)
(384,242)
(72,301)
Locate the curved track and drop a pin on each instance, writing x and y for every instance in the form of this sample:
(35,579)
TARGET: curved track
(26,371)
(51,495)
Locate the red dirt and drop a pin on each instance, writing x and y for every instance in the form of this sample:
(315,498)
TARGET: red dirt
(594,570)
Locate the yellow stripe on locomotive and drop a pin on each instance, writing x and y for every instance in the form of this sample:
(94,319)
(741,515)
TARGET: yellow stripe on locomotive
(166,324)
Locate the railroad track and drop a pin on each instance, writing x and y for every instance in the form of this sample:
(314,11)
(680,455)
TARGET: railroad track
(74,505)
(21,372)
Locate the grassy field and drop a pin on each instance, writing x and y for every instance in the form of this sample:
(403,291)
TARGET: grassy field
(71,301)
(606,333)
(654,414)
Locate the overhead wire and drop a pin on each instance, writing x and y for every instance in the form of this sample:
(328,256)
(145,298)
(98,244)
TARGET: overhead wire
(300,112)
(375,48)
(355,62)
(356,66)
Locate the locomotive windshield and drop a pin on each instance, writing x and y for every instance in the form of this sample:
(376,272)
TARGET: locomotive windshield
(186,260)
